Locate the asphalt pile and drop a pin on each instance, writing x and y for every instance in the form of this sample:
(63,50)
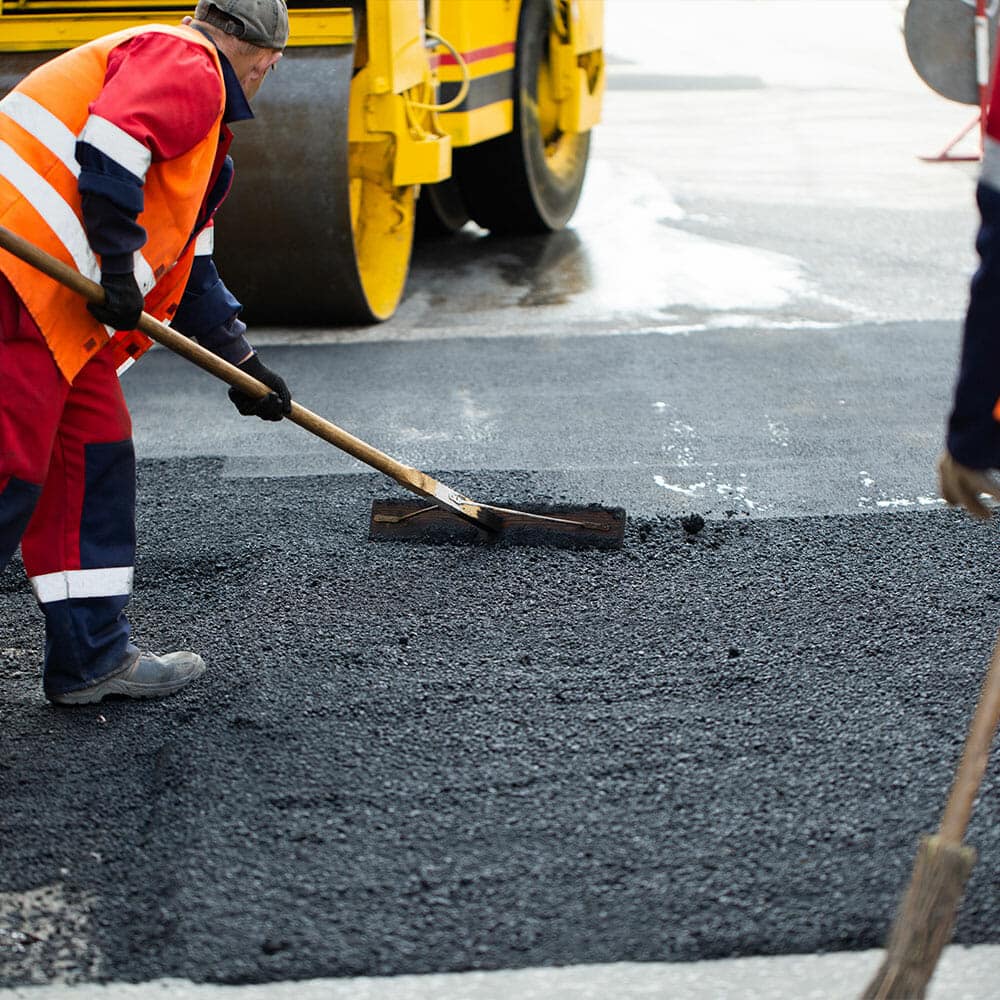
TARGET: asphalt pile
(411,758)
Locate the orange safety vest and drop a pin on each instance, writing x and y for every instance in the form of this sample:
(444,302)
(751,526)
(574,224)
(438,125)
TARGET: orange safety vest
(40,120)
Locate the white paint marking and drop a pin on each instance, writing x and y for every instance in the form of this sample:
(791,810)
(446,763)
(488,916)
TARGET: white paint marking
(688,491)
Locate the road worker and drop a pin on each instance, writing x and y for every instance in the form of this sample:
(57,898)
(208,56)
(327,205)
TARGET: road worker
(114,158)
(972,446)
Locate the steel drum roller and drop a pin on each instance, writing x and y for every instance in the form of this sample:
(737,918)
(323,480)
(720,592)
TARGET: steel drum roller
(312,231)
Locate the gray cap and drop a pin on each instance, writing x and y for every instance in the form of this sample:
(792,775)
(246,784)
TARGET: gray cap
(259,22)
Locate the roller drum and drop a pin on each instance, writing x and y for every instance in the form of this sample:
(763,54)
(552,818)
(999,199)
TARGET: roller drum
(284,237)
(15,66)
(288,243)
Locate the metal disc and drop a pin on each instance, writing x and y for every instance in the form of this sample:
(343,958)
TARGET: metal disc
(941,43)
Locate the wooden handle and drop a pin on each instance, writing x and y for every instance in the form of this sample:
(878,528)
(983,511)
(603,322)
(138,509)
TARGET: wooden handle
(406,476)
(975,756)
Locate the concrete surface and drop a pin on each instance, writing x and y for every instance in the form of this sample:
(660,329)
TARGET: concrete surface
(962,974)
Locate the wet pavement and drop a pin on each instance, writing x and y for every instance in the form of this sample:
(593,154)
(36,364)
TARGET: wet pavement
(788,423)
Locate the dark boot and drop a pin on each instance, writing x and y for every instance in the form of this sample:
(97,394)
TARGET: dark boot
(144,675)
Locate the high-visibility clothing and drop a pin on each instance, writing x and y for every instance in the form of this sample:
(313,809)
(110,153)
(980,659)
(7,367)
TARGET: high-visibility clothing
(40,123)
(67,494)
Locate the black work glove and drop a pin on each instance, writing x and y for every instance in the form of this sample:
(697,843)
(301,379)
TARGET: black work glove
(122,303)
(274,405)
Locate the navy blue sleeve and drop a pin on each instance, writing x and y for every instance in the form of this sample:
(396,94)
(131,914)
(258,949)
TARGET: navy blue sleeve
(973,432)
(99,174)
(209,312)
(228,341)
(111,201)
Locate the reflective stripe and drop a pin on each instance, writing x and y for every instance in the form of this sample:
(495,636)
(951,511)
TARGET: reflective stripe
(205,243)
(49,204)
(116,143)
(81,583)
(124,366)
(44,126)
(989,174)
(144,276)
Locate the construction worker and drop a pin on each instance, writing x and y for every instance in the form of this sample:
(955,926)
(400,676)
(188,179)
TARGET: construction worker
(972,445)
(114,158)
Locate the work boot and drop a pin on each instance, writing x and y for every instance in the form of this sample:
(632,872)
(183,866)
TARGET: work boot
(144,675)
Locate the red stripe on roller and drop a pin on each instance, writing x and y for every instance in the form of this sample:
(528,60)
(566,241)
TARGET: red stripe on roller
(476,55)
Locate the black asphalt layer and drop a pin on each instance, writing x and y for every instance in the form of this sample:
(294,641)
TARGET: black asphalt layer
(724,739)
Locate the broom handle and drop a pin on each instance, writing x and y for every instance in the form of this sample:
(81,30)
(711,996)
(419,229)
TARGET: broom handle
(406,476)
(975,756)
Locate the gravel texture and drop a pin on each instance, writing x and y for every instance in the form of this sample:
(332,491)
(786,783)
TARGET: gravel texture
(724,739)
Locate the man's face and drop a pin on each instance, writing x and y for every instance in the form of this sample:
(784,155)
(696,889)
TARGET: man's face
(256,72)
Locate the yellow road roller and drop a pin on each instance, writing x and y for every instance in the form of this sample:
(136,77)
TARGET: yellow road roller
(382,114)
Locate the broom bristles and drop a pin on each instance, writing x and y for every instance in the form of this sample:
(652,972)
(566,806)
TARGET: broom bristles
(924,921)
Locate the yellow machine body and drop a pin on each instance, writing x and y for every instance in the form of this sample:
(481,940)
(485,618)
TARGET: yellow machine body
(487,42)
(26,27)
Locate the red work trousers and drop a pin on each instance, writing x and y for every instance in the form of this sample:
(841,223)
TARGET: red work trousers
(67,495)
